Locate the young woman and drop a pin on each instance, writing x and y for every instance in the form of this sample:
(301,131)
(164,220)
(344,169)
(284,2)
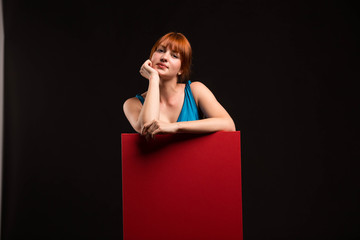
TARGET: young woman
(172,104)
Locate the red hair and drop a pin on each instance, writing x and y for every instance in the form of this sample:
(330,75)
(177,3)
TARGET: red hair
(177,42)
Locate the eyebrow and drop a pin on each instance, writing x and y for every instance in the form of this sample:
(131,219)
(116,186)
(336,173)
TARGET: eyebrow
(173,50)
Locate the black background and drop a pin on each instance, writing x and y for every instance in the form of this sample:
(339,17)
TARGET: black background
(284,70)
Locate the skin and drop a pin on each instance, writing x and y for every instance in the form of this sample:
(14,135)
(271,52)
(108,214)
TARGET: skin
(164,99)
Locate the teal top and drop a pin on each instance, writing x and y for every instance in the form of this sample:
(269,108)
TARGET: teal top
(189,111)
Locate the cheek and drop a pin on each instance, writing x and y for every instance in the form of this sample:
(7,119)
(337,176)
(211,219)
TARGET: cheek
(154,57)
(177,64)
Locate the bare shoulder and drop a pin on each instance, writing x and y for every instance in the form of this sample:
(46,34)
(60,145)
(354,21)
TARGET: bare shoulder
(134,100)
(200,91)
(198,86)
(131,103)
(131,100)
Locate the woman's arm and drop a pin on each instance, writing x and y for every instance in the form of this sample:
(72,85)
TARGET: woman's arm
(212,109)
(216,117)
(138,115)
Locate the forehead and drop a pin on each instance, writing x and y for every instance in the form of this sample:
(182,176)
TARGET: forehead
(170,44)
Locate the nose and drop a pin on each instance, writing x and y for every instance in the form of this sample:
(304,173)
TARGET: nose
(164,57)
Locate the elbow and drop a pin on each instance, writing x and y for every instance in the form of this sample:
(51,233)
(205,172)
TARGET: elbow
(139,126)
(230,125)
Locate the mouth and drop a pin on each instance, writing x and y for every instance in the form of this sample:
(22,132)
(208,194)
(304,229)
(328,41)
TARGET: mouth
(161,65)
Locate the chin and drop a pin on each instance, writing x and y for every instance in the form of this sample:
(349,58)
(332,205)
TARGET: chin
(165,77)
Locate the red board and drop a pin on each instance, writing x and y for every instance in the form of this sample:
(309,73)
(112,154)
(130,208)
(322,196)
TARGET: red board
(182,186)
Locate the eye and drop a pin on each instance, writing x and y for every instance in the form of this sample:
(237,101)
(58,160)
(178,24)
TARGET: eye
(175,55)
(160,50)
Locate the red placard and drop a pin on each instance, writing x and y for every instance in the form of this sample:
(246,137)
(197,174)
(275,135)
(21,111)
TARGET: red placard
(182,186)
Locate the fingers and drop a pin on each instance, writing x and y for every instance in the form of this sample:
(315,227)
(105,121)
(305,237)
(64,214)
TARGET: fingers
(143,71)
(147,70)
(146,127)
(151,129)
(156,131)
(147,66)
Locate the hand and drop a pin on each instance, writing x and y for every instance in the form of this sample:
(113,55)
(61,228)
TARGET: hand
(156,126)
(147,71)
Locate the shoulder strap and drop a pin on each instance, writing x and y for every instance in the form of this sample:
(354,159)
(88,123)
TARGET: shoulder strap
(140,98)
(189,111)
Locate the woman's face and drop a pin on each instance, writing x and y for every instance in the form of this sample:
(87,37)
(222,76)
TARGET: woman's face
(166,62)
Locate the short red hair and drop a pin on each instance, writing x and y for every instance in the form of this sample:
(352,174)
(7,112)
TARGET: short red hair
(177,42)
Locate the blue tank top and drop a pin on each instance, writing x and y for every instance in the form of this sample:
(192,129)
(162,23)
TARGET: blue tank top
(189,111)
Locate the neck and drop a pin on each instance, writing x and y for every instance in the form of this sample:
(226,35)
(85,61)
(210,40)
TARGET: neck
(168,88)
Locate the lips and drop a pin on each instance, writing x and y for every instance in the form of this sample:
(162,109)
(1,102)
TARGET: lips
(161,65)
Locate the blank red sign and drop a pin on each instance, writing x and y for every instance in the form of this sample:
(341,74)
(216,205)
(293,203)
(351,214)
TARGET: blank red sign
(182,186)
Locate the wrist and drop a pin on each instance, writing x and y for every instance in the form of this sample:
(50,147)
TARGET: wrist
(154,78)
(178,127)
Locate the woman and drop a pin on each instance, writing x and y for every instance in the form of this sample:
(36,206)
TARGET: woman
(172,104)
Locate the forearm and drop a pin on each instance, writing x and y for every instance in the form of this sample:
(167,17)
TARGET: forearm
(151,108)
(206,125)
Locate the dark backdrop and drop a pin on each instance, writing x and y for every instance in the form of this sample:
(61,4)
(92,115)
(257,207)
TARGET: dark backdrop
(285,71)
